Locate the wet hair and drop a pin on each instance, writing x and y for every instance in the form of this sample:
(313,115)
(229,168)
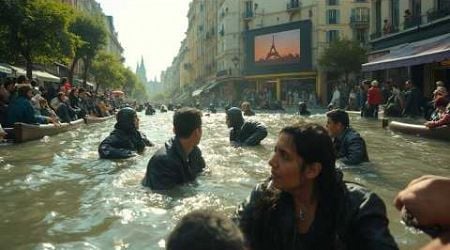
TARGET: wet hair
(314,145)
(339,116)
(22,79)
(186,120)
(205,230)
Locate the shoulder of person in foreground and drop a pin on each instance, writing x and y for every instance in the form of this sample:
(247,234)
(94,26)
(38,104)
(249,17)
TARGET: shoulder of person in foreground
(110,148)
(162,171)
(256,132)
(244,212)
(356,149)
(368,220)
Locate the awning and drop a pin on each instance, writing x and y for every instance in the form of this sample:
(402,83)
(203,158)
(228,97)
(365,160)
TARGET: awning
(41,75)
(5,70)
(18,71)
(212,86)
(431,50)
(46,77)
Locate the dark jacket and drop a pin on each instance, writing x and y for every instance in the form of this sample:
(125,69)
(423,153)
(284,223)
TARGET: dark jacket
(250,134)
(169,166)
(21,110)
(350,147)
(413,101)
(122,144)
(357,221)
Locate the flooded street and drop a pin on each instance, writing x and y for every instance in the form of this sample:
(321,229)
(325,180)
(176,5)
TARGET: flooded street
(57,194)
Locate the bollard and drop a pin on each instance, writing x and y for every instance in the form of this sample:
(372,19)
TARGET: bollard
(384,122)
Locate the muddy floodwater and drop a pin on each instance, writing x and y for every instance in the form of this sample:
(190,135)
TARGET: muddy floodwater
(56,194)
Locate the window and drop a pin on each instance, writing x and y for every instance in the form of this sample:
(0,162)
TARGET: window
(395,13)
(332,35)
(360,15)
(333,2)
(249,7)
(443,5)
(378,16)
(333,16)
(361,35)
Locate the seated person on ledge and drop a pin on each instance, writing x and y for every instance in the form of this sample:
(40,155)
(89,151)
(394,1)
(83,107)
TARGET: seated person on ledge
(349,145)
(307,205)
(125,140)
(442,113)
(244,133)
(180,160)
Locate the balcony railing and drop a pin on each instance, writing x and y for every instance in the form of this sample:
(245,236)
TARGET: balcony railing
(412,21)
(293,5)
(222,73)
(437,14)
(359,21)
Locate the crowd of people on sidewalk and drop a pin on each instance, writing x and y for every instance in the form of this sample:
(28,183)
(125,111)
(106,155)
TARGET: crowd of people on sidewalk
(22,100)
(396,101)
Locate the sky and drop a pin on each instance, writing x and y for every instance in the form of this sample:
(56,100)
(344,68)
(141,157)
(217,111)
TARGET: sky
(153,29)
(286,42)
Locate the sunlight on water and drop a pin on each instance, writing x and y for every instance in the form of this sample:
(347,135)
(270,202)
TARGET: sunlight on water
(57,194)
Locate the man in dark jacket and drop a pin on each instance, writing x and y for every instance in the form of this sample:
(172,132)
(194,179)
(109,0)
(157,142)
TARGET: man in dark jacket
(413,100)
(349,145)
(244,133)
(125,140)
(180,160)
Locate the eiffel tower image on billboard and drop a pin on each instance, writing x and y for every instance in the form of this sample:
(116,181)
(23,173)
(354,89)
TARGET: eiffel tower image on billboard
(273,53)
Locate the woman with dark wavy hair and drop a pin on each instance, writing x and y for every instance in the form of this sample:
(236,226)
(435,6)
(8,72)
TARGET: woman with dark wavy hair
(305,204)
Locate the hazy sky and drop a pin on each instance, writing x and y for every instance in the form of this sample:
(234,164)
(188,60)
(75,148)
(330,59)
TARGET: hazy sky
(286,42)
(151,28)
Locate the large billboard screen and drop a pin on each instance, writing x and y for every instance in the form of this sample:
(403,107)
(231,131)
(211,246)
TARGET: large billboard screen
(279,49)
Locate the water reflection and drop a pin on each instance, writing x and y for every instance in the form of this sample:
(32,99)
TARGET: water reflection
(56,193)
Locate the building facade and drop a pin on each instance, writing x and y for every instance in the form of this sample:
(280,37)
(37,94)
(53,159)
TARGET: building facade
(410,41)
(218,57)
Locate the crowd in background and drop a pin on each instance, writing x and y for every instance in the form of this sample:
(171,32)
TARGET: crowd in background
(22,100)
(397,100)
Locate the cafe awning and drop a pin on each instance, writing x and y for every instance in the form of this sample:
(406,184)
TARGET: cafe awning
(46,77)
(431,50)
(6,70)
(41,75)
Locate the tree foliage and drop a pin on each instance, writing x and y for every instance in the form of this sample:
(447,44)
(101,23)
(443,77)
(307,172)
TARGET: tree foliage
(108,70)
(36,30)
(343,57)
(91,38)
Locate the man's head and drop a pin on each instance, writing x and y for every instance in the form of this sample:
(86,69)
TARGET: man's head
(187,124)
(234,118)
(9,85)
(205,230)
(22,79)
(127,119)
(337,122)
(409,84)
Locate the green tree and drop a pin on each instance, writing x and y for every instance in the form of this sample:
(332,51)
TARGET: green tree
(108,71)
(91,38)
(36,30)
(133,86)
(343,57)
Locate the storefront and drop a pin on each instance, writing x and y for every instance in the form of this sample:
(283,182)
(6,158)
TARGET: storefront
(424,62)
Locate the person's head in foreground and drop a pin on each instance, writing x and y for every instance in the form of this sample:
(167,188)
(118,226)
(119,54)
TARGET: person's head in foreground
(127,119)
(337,122)
(187,124)
(205,230)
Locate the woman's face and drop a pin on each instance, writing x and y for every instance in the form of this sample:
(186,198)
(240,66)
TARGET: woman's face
(285,164)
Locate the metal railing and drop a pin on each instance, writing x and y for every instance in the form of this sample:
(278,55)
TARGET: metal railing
(410,22)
